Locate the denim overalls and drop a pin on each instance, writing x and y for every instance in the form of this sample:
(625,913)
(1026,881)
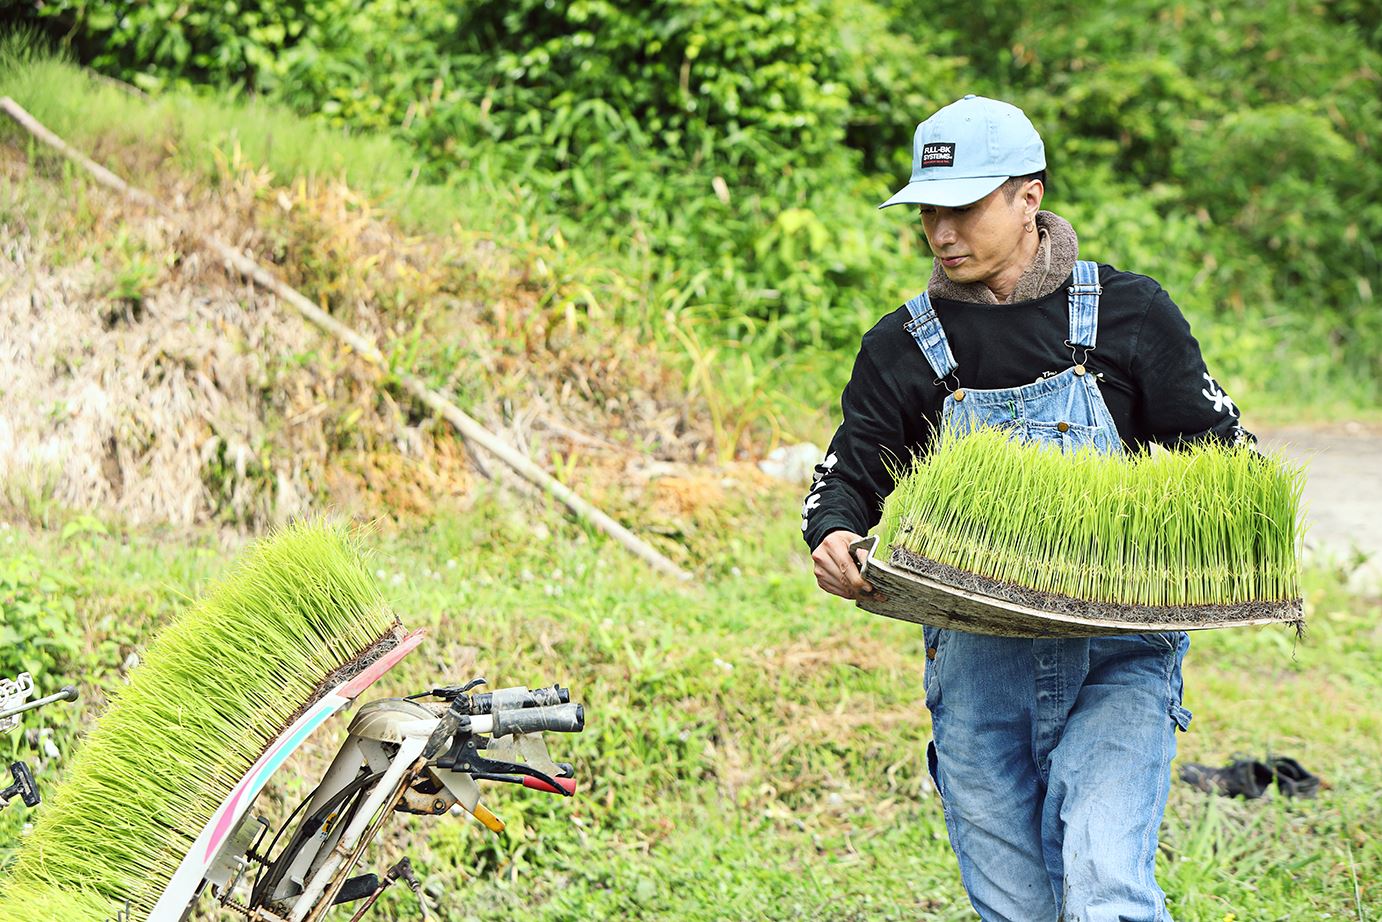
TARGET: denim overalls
(1051,756)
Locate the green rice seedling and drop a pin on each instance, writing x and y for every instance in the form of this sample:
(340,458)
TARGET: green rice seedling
(1207,525)
(40,901)
(215,688)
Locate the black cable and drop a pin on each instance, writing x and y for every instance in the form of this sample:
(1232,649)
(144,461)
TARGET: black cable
(280,864)
(308,827)
(272,845)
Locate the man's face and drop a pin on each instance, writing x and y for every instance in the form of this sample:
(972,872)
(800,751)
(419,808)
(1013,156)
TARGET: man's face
(980,241)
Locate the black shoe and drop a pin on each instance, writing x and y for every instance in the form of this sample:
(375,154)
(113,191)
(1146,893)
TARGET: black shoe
(1246,778)
(1293,780)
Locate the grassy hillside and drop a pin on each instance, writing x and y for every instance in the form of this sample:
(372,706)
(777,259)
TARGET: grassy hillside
(721,159)
(236,411)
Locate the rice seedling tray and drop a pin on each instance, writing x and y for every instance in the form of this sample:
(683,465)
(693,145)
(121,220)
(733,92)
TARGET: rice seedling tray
(911,588)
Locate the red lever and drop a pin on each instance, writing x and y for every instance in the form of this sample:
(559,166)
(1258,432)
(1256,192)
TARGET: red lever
(567,785)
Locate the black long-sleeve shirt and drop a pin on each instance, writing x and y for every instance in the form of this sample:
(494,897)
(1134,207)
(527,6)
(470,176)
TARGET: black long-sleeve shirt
(1151,375)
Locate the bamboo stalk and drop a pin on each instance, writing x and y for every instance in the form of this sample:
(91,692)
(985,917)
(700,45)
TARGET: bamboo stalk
(469,429)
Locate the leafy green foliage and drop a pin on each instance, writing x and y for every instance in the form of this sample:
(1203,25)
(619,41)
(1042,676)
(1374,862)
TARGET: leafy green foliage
(39,632)
(227,42)
(725,156)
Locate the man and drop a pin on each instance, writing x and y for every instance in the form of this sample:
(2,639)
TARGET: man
(1052,757)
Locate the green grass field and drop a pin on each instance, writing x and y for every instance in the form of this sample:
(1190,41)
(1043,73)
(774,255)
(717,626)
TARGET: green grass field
(754,749)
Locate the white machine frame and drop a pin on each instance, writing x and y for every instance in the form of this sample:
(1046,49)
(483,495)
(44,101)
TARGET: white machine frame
(383,767)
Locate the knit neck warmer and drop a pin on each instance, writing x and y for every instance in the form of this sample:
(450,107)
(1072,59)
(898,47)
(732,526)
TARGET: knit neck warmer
(1057,251)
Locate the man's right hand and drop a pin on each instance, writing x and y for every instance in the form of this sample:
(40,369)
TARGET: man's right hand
(837,571)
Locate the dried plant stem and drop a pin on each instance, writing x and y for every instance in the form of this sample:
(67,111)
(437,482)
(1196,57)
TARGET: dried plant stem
(470,430)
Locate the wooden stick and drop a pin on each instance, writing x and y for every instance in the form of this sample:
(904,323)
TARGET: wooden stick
(469,429)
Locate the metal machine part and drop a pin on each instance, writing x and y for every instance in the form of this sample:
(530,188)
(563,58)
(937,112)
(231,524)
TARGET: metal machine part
(401,755)
(14,701)
(23,786)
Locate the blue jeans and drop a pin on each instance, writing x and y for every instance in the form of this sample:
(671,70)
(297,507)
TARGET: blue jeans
(1052,758)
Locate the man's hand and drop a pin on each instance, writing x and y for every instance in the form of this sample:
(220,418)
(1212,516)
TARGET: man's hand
(837,571)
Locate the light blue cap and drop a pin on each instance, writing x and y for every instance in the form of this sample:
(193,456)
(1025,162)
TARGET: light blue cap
(966,150)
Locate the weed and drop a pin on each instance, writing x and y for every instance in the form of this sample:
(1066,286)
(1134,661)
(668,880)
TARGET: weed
(39,631)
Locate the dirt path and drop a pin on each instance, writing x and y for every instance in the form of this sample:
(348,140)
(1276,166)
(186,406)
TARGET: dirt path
(1343,492)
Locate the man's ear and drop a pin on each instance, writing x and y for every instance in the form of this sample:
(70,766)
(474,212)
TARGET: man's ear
(1032,194)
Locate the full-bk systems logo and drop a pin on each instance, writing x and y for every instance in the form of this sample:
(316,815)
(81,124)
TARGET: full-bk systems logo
(938,154)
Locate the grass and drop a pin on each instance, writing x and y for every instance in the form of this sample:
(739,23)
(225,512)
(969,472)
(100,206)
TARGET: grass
(1207,525)
(216,686)
(201,134)
(755,749)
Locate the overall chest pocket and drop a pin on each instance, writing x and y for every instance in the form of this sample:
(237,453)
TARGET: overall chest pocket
(1069,436)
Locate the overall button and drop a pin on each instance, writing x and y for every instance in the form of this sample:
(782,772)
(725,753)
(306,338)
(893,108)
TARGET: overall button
(959,395)
(1079,370)
(1063,427)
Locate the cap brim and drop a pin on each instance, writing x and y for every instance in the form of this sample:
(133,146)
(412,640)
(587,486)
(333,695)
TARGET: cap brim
(948,193)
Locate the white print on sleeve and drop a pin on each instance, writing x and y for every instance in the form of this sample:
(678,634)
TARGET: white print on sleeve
(818,480)
(827,466)
(1215,395)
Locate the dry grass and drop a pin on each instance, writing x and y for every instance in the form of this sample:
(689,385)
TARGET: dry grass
(119,401)
(148,383)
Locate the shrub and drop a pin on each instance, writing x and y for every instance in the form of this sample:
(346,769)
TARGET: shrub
(39,631)
(727,154)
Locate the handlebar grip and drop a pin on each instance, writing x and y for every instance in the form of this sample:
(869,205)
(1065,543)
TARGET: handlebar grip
(561,718)
(518,697)
(567,785)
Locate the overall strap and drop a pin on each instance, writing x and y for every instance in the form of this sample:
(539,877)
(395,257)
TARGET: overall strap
(925,328)
(1084,305)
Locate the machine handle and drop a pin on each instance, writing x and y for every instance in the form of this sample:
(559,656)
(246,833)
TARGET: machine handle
(567,785)
(507,698)
(562,718)
(67,693)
